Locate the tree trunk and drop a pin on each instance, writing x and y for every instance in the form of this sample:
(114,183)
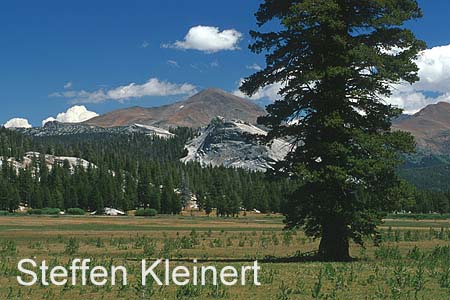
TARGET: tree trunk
(334,245)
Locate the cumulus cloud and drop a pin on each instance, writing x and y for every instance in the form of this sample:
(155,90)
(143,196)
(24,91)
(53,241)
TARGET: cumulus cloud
(75,114)
(173,63)
(17,123)
(214,64)
(433,86)
(434,83)
(254,67)
(153,87)
(68,85)
(208,39)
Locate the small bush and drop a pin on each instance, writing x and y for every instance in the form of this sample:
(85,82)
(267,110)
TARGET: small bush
(76,212)
(44,211)
(4,213)
(36,211)
(148,212)
(72,246)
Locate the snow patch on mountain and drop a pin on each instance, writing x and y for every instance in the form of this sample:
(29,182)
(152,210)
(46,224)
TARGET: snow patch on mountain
(162,133)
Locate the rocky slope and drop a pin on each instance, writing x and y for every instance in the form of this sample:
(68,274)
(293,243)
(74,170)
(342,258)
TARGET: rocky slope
(50,160)
(61,129)
(197,111)
(226,143)
(430,127)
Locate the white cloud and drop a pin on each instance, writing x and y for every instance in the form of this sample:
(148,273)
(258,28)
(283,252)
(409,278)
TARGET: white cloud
(433,86)
(153,87)
(145,44)
(173,63)
(208,39)
(17,123)
(214,64)
(75,114)
(68,85)
(254,67)
(268,92)
(49,119)
(434,83)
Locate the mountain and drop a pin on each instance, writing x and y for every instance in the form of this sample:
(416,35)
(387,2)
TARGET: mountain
(429,168)
(430,127)
(197,111)
(227,143)
(62,129)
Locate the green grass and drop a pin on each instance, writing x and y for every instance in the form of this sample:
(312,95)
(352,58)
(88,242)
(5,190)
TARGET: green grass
(413,262)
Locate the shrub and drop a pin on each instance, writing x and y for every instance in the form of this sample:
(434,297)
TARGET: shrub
(4,213)
(36,211)
(72,246)
(44,211)
(76,212)
(148,212)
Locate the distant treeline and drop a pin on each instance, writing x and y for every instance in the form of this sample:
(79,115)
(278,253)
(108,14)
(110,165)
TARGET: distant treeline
(133,171)
(128,172)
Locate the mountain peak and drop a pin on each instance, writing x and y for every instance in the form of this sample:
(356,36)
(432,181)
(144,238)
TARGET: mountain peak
(212,91)
(430,127)
(440,108)
(197,111)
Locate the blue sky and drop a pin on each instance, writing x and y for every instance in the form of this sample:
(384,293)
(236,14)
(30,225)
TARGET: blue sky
(104,45)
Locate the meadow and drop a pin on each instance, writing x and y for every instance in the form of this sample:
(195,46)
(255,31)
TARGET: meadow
(412,261)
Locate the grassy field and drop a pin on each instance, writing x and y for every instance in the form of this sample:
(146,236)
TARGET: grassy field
(413,261)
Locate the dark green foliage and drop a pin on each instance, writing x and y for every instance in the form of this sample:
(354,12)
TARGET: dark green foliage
(13,144)
(76,212)
(427,171)
(44,211)
(336,61)
(127,172)
(419,216)
(148,212)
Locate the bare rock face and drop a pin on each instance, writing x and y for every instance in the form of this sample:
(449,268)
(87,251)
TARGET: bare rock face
(227,143)
(62,129)
(195,112)
(50,161)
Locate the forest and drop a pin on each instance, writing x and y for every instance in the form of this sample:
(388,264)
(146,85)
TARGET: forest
(131,171)
(127,171)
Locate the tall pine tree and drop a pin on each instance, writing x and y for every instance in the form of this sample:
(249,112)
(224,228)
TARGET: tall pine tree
(336,61)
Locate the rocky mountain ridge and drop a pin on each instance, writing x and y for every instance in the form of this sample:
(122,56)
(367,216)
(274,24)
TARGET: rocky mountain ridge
(62,129)
(50,161)
(430,127)
(227,143)
(195,112)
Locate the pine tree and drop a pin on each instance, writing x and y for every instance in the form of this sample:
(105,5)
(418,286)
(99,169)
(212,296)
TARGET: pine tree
(14,199)
(155,198)
(208,205)
(4,205)
(336,61)
(144,188)
(235,205)
(97,201)
(166,199)
(130,196)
